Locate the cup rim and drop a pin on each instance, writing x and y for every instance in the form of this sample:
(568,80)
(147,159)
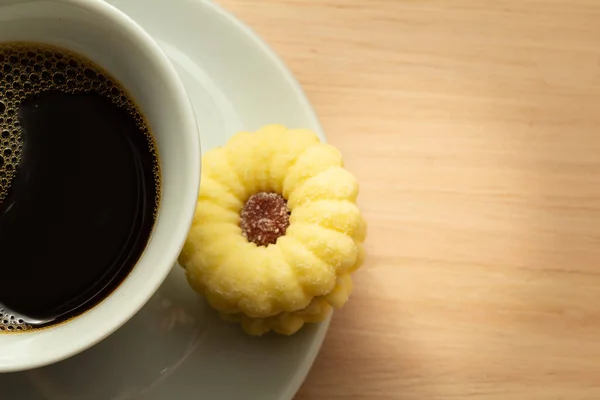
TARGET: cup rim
(187,201)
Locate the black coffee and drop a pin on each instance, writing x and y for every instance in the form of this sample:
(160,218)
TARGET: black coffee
(79,185)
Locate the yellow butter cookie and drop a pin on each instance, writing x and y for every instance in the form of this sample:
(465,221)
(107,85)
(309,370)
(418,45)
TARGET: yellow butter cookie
(277,231)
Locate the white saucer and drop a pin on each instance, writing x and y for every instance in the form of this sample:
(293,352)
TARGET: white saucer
(176,347)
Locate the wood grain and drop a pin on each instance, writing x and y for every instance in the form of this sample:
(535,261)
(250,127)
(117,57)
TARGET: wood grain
(474,128)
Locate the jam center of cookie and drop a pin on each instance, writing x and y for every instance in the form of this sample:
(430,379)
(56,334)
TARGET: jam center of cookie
(264,218)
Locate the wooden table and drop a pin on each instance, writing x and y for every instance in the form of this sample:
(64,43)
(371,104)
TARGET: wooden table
(474,128)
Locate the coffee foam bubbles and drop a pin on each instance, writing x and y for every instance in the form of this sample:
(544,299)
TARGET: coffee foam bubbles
(29,69)
(10,322)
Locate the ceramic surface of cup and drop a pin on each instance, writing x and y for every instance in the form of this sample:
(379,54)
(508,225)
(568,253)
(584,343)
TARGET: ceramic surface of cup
(106,36)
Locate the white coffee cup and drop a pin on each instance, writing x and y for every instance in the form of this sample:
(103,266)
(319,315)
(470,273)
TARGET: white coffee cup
(108,37)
